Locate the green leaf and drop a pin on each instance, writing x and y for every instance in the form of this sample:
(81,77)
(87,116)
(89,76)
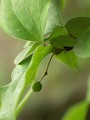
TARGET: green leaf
(82,45)
(29,19)
(38,15)
(77,112)
(61,41)
(34,15)
(22,76)
(77,26)
(58,31)
(10,94)
(10,23)
(38,56)
(25,53)
(54,16)
(28,43)
(68,58)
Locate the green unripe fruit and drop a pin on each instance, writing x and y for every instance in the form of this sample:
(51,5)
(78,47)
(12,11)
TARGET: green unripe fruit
(37,86)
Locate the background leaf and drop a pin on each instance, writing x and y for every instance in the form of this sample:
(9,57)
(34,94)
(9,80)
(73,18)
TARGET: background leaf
(61,41)
(77,112)
(68,58)
(82,46)
(77,26)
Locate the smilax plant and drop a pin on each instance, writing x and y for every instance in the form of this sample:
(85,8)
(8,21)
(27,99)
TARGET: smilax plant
(39,22)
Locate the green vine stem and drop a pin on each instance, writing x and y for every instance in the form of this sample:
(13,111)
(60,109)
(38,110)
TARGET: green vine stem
(24,101)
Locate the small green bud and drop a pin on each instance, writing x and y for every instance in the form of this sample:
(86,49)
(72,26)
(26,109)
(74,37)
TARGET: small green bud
(37,86)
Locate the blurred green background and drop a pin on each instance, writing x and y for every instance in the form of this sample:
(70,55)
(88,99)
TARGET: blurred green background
(63,87)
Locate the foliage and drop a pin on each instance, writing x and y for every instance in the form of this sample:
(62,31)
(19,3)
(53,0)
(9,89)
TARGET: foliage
(40,22)
(80,110)
(77,112)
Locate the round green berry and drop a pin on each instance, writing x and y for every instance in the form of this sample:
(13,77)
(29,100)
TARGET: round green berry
(37,86)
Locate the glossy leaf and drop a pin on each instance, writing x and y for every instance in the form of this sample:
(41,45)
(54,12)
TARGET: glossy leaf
(82,46)
(77,112)
(10,23)
(68,58)
(61,41)
(77,26)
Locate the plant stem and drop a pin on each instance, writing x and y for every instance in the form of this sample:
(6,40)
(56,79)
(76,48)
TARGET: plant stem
(23,102)
(46,72)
